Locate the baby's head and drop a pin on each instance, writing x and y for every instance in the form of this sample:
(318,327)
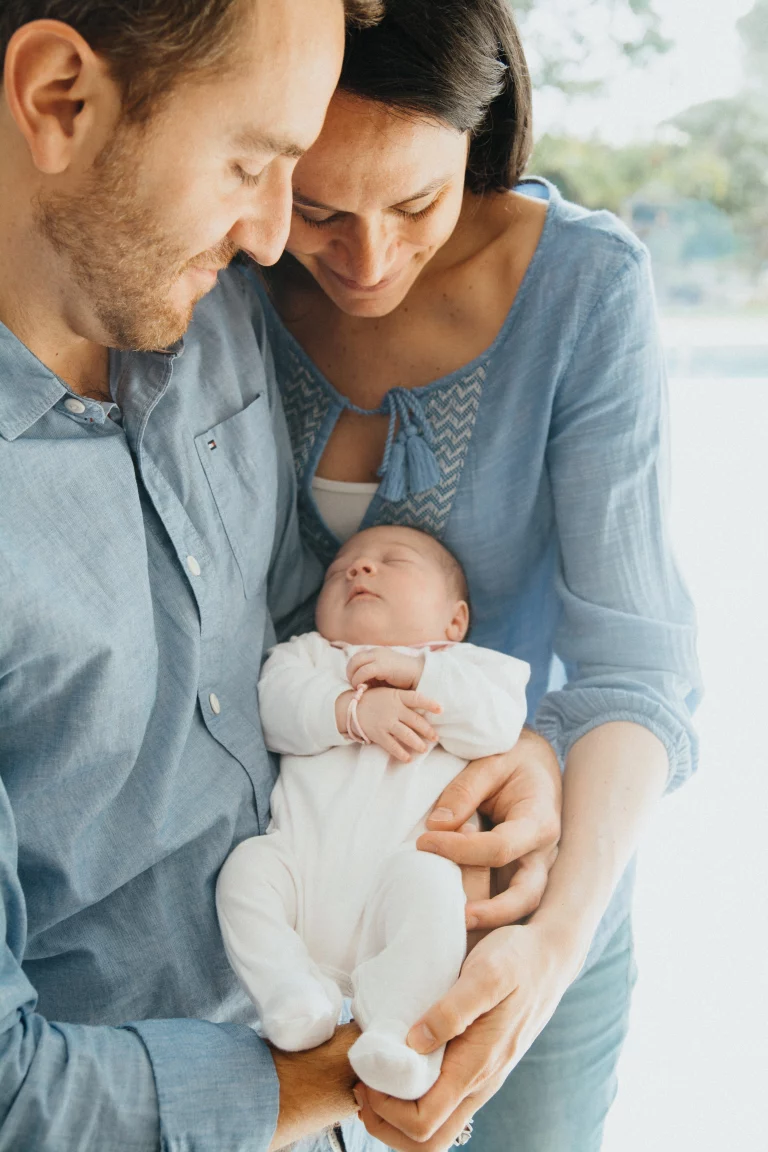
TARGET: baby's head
(391,585)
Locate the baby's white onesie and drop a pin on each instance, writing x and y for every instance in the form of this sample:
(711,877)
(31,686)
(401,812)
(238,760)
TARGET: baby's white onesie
(335,898)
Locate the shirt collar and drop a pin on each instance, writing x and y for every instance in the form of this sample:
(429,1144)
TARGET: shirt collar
(27,388)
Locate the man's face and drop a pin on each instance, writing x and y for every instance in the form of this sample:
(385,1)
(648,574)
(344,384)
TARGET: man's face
(143,231)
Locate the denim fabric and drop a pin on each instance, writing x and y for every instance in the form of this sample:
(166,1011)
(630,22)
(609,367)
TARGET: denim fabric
(558,1096)
(139,564)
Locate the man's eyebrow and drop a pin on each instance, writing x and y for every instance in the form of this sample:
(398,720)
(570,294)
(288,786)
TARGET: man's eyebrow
(433,186)
(250,140)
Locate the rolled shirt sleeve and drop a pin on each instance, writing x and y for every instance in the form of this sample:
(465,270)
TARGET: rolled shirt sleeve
(627,632)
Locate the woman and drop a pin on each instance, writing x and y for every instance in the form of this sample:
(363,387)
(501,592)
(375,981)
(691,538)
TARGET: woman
(483,362)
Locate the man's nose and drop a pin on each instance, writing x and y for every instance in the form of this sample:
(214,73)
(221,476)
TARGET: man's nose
(263,232)
(362,567)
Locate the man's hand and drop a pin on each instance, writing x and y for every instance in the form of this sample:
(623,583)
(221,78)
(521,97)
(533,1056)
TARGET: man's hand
(385,666)
(521,794)
(508,990)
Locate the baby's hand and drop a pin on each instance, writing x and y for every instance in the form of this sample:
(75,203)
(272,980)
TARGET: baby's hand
(393,719)
(385,666)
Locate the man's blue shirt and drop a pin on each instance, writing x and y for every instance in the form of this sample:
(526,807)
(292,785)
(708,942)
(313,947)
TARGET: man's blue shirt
(142,564)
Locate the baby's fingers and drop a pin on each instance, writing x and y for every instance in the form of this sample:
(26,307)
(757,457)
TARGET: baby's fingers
(408,737)
(419,724)
(422,703)
(393,747)
(359,668)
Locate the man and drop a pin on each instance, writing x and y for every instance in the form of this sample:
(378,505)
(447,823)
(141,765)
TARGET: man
(142,145)
(146,524)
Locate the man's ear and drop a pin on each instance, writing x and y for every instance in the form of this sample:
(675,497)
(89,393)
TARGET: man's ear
(56,89)
(459,625)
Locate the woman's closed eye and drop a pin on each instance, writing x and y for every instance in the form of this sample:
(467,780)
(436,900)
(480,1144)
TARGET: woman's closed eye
(322,221)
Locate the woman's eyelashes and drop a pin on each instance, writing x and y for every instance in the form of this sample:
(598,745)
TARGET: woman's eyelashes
(315,222)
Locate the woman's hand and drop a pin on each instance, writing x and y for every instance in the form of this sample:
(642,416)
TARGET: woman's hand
(521,794)
(508,990)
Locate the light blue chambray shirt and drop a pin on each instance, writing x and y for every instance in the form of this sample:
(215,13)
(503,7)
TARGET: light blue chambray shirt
(550,487)
(138,567)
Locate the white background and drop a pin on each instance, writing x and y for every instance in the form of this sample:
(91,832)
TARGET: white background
(694,1071)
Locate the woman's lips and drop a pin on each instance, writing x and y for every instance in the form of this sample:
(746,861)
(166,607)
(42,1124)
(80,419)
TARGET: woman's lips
(365,289)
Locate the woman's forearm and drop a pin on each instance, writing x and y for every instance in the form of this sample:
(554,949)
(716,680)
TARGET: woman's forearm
(613,778)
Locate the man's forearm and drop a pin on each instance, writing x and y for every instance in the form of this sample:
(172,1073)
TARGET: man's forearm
(315,1087)
(614,777)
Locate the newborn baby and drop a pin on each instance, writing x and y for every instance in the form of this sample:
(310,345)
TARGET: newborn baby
(374,714)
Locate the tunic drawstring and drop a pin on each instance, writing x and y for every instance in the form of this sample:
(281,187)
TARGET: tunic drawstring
(409,465)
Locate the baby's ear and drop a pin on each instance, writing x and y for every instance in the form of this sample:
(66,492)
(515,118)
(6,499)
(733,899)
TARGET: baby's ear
(459,625)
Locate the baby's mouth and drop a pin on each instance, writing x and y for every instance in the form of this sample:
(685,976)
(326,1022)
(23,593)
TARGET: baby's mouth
(360,590)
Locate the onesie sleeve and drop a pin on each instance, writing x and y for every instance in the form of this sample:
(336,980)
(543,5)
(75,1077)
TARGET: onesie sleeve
(627,634)
(482,693)
(300,683)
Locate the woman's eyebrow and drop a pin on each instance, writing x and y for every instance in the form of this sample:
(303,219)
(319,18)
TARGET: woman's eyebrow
(433,186)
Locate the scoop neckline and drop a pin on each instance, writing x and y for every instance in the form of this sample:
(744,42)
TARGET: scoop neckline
(352,487)
(553,201)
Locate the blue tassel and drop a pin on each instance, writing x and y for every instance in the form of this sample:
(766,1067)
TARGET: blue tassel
(423,469)
(393,485)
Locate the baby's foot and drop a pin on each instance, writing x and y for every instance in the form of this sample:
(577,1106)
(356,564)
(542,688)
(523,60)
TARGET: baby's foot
(301,1013)
(383,1060)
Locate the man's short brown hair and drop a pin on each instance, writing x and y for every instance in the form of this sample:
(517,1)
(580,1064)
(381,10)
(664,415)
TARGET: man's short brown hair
(151,44)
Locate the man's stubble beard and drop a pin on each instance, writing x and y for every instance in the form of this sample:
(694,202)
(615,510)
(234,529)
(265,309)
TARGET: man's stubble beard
(121,258)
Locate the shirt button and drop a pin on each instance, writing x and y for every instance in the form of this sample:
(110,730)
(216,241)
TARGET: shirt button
(193,566)
(76,407)
(215,704)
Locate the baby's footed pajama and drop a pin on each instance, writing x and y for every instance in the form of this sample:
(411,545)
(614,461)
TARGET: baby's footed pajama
(335,899)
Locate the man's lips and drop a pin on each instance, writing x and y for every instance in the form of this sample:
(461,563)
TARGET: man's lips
(360,590)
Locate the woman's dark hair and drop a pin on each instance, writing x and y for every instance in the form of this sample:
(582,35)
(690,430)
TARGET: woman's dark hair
(458,61)
(151,44)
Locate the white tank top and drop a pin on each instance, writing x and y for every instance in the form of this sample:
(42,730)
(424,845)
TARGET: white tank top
(342,504)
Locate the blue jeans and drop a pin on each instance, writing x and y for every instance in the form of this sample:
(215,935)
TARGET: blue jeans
(558,1096)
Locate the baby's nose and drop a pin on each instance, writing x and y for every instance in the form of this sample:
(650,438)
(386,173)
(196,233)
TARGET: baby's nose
(362,567)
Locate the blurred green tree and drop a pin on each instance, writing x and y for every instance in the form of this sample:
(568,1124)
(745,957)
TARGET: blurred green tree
(715,152)
(571,43)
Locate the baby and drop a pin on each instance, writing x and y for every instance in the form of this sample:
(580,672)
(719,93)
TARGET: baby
(374,714)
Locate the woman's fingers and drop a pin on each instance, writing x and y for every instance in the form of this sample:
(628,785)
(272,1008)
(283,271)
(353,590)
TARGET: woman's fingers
(485,981)
(503,844)
(521,897)
(466,792)
(427,1138)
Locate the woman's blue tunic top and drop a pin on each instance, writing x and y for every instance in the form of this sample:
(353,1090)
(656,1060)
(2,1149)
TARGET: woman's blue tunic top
(551,488)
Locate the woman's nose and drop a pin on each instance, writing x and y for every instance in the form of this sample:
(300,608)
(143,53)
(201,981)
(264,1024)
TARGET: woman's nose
(371,255)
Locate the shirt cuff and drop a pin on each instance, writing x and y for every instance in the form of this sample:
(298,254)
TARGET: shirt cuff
(563,717)
(216,1085)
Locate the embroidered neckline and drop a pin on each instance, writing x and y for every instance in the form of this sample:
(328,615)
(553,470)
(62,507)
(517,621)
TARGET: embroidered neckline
(425,454)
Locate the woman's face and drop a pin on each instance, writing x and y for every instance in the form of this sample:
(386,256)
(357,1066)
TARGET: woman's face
(374,199)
